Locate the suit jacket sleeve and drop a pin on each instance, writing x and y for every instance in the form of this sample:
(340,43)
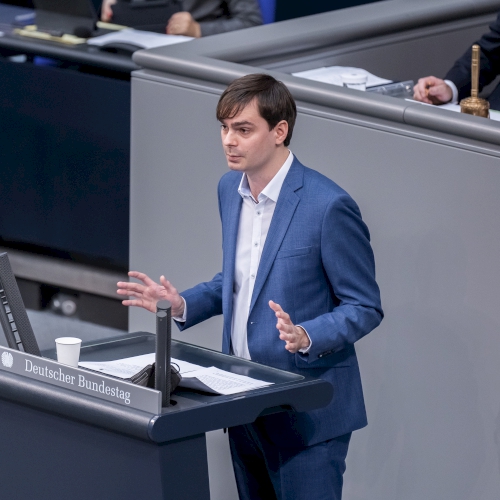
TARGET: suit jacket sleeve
(202,302)
(460,75)
(348,261)
(242,14)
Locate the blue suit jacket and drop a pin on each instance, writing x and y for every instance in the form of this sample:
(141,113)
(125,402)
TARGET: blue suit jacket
(317,264)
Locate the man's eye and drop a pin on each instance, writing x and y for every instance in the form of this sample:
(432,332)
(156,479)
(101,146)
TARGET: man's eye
(244,130)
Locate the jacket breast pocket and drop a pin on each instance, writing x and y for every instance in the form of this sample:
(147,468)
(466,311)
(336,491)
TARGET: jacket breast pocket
(293,252)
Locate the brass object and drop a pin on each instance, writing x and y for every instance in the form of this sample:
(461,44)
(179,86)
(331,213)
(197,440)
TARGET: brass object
(474,105)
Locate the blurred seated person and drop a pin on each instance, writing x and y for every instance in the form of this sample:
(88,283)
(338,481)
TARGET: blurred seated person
(456,85)
(205,17)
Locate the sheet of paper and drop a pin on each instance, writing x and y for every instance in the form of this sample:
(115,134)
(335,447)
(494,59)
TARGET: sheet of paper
(128,367)
(185,367)
(331,74)
(494,115)
(144,39)
(220,382)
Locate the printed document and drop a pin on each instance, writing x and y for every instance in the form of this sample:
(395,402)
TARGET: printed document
(144,39)
(218,381)
(127,367)
(211,379)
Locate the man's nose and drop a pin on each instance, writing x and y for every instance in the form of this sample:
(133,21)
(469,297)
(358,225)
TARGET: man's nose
(229,138)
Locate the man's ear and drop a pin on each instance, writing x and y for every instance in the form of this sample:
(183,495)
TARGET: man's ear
(280,132)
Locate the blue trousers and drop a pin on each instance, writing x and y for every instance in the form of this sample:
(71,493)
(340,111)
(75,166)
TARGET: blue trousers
(266,471)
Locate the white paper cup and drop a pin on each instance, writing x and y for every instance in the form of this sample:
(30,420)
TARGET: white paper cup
(354,80)
(68,350)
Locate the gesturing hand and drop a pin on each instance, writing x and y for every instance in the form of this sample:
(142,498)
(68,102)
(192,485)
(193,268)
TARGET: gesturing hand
(149,293)
(295,337)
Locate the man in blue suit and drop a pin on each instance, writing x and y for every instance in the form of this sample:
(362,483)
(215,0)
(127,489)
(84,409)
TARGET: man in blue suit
(297,290)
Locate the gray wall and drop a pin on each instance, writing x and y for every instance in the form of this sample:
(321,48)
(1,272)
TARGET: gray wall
(431,371)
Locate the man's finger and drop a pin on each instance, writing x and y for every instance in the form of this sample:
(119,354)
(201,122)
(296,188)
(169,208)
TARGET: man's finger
(289,338)
(285,327)
(419,91)
(132,302)
(143,277)
(128,286)
(129,293)
(282,315)
(292,346)
(420,95)
(435,90)
(168,286)
(150,306)
(286,335)
(275,307)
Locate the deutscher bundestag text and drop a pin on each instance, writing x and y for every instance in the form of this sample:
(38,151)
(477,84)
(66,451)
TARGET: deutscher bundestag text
(58,374)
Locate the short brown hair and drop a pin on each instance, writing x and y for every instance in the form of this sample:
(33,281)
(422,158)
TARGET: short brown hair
(274,101)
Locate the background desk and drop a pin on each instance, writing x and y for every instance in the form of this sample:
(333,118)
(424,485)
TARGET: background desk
(64,148)
(427,182)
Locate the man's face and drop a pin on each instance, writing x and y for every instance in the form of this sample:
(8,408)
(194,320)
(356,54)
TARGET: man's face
(248,143)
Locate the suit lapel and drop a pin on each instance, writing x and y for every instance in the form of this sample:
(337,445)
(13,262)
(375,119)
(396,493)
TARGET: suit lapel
(232,210)
(283,214)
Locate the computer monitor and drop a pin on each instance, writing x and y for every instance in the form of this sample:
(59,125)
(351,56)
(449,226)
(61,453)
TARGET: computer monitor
(16,326)
(65,16)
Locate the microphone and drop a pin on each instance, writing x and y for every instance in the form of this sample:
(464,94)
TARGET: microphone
(163,378)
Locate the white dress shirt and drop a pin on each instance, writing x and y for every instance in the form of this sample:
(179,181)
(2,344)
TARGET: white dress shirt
(255,219)
(454,91)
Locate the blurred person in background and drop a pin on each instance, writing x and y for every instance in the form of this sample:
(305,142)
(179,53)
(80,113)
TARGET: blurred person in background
(204,17)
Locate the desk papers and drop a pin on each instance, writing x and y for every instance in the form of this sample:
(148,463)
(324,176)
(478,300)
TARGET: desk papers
(212,380)
(218,381)
(331,74)
(144,39)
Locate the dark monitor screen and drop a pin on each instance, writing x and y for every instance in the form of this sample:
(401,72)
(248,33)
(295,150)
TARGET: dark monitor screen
(19,3)
(29,3)
(65,16)
(77,8)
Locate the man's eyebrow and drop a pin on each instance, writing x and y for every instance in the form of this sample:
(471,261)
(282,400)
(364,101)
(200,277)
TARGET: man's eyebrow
(239,124)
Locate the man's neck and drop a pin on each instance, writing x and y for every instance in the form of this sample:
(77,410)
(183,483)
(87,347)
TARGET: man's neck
(259,180)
